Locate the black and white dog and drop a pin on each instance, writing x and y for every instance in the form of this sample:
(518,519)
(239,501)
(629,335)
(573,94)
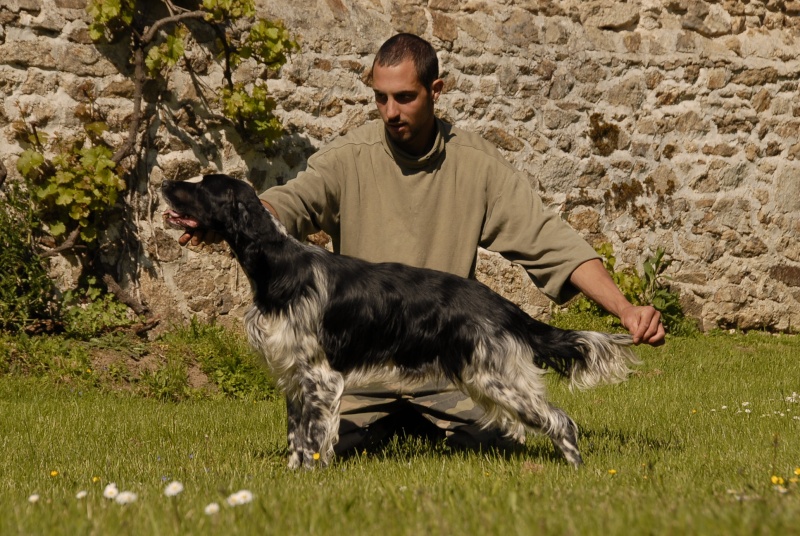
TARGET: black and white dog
(326,322)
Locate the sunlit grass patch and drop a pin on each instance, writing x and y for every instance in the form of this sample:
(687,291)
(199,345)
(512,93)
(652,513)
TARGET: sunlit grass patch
(673,450)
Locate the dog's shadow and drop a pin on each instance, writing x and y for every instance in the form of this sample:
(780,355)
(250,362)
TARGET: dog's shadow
(406,447)
(600,440)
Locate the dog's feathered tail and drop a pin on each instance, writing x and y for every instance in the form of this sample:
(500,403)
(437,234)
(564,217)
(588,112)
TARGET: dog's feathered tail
(587,358)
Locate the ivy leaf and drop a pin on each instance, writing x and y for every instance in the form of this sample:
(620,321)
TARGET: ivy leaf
(64,198)
(29,161)
(88,234)
(154,61)
(95,128)
(57,228)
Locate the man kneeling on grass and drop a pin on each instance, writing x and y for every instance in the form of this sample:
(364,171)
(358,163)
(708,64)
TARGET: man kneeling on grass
(414,189)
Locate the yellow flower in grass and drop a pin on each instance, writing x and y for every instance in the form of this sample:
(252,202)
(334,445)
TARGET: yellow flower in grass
(797,471)
(778,481)
(53,474)
(612,472)
(316,456)
(95,479)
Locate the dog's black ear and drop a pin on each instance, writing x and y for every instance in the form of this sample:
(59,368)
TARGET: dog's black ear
(243,213)
(238,212)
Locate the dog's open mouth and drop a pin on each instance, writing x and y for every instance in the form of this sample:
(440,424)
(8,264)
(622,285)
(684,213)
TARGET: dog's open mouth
(180,221)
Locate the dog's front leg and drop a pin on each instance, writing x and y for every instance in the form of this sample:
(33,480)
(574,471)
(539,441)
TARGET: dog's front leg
(321,389)
(294,414)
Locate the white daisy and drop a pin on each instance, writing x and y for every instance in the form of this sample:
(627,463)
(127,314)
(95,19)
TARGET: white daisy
(33,499)
(240,497)
(81,494)
(173,488)
(211,509)
(111,491)
(126,497)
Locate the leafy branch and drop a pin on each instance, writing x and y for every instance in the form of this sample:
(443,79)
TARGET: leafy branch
(160,47)
(74,184)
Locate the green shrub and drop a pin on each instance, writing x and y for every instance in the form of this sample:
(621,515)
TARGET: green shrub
(169,382)
(89,312)
(27,293)
(649,288)
(226,358)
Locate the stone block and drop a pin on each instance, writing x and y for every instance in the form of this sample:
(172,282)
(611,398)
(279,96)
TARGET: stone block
(614,16)
(503,139)
(519,30)
(444,27)
(756,77)
(787,184)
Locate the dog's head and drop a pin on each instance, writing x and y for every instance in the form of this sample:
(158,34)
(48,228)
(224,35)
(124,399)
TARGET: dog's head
(212,202)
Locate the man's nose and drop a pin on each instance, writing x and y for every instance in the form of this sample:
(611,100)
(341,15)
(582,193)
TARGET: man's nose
(392,109)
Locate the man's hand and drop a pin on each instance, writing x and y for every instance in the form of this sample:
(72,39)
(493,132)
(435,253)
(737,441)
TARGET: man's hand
(644,323)
(198,237)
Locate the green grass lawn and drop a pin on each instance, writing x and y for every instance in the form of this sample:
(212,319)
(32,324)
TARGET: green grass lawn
(703,439)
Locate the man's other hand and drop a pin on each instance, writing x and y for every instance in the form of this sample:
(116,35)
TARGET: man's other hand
(198,237)
(644,323)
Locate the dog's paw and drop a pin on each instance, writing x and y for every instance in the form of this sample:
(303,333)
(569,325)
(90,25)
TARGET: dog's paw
(295,460)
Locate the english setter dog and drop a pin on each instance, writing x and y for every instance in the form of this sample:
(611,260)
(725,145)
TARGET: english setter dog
(326,322)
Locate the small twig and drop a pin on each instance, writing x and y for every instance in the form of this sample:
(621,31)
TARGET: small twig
(68,244)
(123,296)
(156,27)
(128,148)
(141,329)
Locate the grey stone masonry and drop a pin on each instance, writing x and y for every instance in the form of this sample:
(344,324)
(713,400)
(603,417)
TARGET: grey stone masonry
(646,124)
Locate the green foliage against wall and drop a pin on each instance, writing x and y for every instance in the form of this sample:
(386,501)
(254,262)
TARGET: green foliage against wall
(26,291)
(164,42)
(71,186)
(648,288)
(72,191)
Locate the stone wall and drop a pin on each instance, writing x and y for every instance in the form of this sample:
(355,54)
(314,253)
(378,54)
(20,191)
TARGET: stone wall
(671,123)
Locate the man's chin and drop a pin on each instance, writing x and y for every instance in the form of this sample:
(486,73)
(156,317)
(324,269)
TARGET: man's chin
(400,136)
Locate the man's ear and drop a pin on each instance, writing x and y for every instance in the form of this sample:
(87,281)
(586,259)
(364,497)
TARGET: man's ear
(436,89)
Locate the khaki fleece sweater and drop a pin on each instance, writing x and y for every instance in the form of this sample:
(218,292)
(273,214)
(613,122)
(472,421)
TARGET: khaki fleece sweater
(380,204)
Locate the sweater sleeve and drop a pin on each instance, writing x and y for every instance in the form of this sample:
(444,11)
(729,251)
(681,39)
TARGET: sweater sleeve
(518,227)
(310,202)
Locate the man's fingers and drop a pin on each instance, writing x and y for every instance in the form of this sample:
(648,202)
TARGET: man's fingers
(197,237)
(644,324)
(650,327)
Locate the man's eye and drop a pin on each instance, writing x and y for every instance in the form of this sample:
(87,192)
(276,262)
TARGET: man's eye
(380,98)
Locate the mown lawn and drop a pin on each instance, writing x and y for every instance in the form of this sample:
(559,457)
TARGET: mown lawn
(703,439)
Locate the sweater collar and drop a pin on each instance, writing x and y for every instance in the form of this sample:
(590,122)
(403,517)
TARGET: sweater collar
(405,160)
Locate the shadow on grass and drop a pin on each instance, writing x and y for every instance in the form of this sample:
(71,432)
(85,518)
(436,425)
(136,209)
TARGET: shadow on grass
(604,439)
(405,439)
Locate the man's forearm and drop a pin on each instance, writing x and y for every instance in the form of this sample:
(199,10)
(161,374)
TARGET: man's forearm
(593,280)
(643,322)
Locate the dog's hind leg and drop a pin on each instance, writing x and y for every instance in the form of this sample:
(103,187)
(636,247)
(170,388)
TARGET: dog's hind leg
(321,389)
(520,398)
